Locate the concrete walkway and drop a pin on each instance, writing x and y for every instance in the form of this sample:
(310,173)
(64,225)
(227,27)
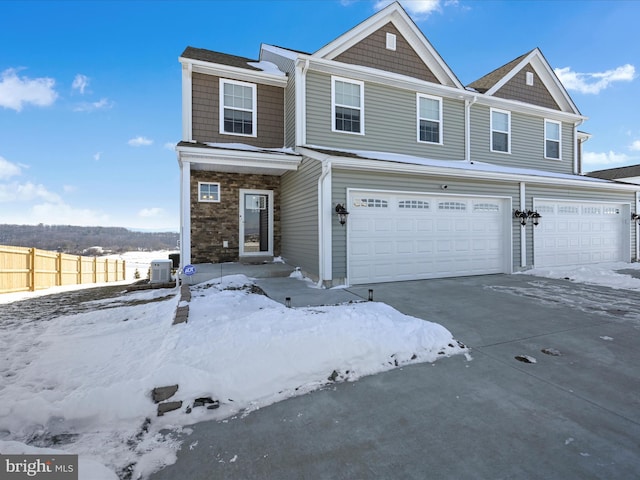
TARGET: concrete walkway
(574,414)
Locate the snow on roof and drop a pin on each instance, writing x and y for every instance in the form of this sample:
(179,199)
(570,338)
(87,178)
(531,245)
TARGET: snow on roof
(454,164)
(267,67)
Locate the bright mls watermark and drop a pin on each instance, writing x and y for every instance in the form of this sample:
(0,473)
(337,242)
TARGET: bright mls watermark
(49,467)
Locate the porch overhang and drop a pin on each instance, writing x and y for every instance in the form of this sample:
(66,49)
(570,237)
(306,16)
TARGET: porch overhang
(237,158)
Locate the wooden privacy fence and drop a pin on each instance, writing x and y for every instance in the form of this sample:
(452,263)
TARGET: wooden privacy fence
(30,269)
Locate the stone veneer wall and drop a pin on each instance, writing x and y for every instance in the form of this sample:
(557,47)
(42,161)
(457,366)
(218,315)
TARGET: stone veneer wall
(212,223)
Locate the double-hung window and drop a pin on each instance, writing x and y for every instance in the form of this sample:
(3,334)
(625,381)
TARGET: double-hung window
(238,108)
(500,131)
(429,119)
(347,105)
(552,139)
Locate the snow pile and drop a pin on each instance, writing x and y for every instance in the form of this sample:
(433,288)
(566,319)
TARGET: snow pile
(82,383)
(603,274)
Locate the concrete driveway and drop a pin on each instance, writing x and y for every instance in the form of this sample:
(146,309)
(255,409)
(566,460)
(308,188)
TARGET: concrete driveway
(572,415)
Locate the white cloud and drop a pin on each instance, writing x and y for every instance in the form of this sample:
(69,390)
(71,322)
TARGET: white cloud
(151,212)
(140,141)
(26,192)
(594,83)
(8,169)
(17,91)
(80,83)
(60,213)
(97,156)
(101,104)
(69,188)
(635,146)
(170,146)
(418,9)
(597,161)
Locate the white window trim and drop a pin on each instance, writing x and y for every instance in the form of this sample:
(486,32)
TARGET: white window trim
(254,113)
(209,183)
(546,121)
(508,132)
(418,118)
(335,79)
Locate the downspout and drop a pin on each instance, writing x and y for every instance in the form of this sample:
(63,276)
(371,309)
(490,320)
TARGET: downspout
(637,228)
(324,227)
(467,127)
(577,151)
(301,104)
(523,228)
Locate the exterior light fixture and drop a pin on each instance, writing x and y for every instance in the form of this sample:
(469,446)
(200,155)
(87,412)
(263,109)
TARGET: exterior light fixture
(342,213)
(522,215)
(287,302)
(535,216)
(371,295)
(635,217)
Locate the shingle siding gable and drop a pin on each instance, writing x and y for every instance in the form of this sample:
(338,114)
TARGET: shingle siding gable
(517,89)
(206,114)
(372,52)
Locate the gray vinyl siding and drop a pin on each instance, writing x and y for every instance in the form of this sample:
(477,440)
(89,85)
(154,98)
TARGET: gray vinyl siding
(527,142)
(286,65)
(563,193)
(390,121)
(299,216)
(344,179)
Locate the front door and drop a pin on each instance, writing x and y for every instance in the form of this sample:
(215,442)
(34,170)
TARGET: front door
(256,222)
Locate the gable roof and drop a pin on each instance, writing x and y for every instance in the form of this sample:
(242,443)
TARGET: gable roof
(619,172)
(395,14)
(491,83)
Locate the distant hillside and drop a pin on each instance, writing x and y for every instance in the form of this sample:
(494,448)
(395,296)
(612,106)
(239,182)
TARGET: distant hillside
(82,240)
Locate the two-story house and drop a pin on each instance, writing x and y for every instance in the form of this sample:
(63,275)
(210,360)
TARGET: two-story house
(439,179)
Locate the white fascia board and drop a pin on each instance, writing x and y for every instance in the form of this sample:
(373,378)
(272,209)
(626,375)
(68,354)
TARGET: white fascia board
(235,73)
(244,158)
(396,167)
(283,52)
(373,75)
(549,79)
(529,109)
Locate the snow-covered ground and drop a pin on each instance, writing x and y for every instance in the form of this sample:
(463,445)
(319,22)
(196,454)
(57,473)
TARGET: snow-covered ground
(81,383)
(134,262)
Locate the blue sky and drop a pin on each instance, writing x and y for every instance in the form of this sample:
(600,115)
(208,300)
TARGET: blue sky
(90,90)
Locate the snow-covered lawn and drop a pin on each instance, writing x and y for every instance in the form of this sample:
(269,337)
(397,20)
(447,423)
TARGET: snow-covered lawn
(82,383)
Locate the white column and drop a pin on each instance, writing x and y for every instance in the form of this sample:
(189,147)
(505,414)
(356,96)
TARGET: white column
(185,213)
(523,228)
(187,131)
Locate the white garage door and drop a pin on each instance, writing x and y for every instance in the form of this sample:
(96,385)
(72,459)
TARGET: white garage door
(396,236)
(574,233)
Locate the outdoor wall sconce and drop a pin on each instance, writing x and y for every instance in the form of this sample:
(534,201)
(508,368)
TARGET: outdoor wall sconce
(342,213)
(635,217)
(535,216)
(522,215)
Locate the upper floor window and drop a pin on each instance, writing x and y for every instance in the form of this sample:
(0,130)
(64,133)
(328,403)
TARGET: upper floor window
(500,131)
(429,119)
(238,108)
(347,105)
(552,139)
